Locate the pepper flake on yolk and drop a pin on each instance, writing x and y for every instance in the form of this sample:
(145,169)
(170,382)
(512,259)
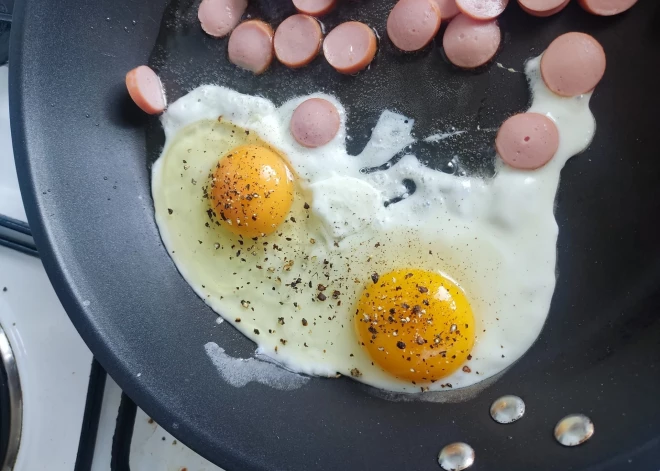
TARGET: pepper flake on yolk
(417,325)
(251,190)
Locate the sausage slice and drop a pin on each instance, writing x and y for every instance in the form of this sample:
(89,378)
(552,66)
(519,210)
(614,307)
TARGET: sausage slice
(412,24)
(251,46)
(297,41)
(607,7)
(350,47)
(219,17)
(527,141)
(314,7)
(543,7)
(573,64)
(482,9)
(315,122)
(146,90)
(448,9)
(470,43)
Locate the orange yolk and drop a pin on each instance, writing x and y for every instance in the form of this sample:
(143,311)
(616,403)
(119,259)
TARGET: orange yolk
(416,325)
(251,190)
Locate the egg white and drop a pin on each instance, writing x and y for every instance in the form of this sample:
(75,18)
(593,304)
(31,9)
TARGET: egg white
(495,237)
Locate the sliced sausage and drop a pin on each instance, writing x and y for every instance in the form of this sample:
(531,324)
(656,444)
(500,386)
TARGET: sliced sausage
(314,7)
(543,7)
(482,9)
(412,24)
(350,47)
(527,141)
(251,46)
(448,9)
(219,17)
(607,7)
(297,40)
(470,43)
(146,90)
(573,64)
(315,122)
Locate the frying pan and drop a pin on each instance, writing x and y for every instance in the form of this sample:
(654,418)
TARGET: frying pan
(84,153)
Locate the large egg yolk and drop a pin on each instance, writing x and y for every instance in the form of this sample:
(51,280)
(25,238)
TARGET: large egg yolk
(251,190)
(415,324)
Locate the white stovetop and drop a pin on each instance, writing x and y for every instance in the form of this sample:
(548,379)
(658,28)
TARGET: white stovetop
(54,363)
(10,197)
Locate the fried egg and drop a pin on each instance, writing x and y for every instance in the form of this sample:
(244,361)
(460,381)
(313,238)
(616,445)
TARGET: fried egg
(302,253)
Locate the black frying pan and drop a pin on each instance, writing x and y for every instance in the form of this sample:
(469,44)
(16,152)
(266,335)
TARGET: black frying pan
(84,152)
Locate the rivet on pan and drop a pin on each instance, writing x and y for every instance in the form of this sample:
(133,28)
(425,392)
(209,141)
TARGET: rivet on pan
(574,429)
(507,409)
(456,456)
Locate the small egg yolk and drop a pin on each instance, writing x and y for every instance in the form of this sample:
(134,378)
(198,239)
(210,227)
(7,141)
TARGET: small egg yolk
(251,190)
(416,325)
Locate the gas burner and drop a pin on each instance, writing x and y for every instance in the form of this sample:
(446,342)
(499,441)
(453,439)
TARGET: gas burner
(11,404)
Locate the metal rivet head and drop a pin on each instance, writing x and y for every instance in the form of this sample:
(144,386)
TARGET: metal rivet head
(574,429)
(507,409)
(456,456)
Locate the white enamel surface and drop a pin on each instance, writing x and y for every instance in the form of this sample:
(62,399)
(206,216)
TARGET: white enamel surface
(53,364)
(495,237)
(11,203)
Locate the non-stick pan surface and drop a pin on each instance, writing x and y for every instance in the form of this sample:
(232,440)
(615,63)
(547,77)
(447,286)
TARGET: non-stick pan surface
(84,153)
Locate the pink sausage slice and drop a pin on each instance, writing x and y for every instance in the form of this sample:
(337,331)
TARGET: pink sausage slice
(350,47)
(573,64)
(482,9)
(314,7)
(607,7)
(251,46)
(527,141)
(470,43)
(543,7)
(297,41)
(412,24)
(315,122)
(448,9)
(146,90)
(219,17)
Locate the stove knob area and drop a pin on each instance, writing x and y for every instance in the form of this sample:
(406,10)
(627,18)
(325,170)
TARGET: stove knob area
(11,404)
